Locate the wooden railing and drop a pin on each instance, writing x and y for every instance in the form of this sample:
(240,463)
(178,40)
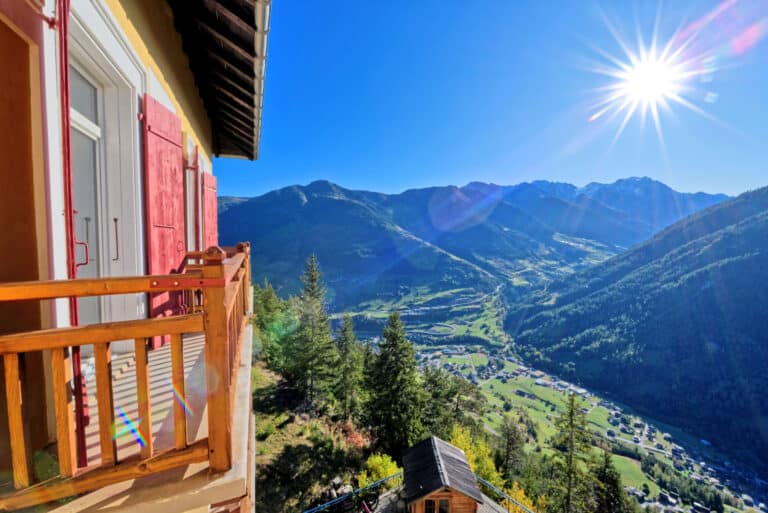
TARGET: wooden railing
(214,287)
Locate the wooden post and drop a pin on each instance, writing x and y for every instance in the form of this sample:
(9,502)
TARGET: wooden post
(142,392)
(61,371)
(19,460)
(217,363)
(247,249)
(104,399)
(177,373)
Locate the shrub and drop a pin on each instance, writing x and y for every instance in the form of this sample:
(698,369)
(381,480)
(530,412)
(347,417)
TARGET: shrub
(265,431)
(378,466)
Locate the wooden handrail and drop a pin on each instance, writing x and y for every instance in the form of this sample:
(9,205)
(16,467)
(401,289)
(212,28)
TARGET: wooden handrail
(99,333)
(232,265)
(90,479)
(33,290)
(221,277)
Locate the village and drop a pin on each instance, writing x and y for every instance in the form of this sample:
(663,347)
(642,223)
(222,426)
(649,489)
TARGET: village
(508,384)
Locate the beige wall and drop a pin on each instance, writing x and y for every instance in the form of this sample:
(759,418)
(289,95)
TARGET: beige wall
(148,26)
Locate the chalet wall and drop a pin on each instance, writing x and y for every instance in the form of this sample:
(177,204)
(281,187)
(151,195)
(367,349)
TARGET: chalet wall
(148,26)
(459,503)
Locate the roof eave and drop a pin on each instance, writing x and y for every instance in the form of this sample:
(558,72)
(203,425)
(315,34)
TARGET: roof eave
(263,13)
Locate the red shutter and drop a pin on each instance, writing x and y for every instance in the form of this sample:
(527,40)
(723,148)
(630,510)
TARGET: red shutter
(210,212)
(163,200)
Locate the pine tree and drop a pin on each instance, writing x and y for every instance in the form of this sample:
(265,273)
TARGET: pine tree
(395,406)
(572,440)
(312,280)
(513,440)
(439,390)
(312,358)
(609,493)
(348,389)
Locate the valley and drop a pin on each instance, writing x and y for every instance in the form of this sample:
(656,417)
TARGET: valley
(635,440)
(642,293)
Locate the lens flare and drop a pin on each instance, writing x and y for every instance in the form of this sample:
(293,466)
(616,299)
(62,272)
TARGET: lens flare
(130,426)
(180,398)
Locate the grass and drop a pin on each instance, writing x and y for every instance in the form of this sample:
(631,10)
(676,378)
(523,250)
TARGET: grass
(632,474)
(297,456)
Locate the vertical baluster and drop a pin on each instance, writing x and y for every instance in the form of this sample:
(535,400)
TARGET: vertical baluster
(105,400)
(177,371)
(217,363)
(16,422)
(61,372)
(142,393)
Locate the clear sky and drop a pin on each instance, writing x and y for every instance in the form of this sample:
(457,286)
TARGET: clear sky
(397,94)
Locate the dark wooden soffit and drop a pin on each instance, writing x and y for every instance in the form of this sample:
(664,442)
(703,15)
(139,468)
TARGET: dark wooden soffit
(226,42)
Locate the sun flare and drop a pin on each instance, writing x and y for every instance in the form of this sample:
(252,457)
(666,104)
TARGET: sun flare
(650,79)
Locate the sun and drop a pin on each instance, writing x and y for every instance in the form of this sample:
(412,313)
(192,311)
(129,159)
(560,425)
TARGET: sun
(648,80)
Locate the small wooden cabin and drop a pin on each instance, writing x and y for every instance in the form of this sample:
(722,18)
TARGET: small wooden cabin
(438,479)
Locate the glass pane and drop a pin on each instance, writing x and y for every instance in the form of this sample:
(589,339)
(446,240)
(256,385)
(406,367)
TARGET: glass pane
(82,95)
(429,506)
(443,506)
(84,169)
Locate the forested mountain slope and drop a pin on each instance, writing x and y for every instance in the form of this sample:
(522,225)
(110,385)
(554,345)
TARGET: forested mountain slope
(677,326)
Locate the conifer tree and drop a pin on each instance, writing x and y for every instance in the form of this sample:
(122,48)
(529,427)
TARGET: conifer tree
(572,441)
(395,407)
(312,358)
(609,493)
(513,440)
(348,390)
(439,392)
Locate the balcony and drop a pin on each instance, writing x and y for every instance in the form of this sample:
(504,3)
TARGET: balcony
(169,428)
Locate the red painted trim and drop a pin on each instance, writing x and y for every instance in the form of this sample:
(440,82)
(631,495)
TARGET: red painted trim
(79,382)
(196,169)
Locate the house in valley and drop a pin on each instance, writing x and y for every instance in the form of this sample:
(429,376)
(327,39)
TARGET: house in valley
(124,336)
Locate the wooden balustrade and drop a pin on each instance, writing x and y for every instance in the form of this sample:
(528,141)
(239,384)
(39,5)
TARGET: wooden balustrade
(216,285)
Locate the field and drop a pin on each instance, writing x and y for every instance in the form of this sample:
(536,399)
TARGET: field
(433,318)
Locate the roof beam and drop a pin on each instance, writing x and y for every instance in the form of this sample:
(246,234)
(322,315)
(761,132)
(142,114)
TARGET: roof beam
(247,55)
(219,9)
(228,64)
(243,125)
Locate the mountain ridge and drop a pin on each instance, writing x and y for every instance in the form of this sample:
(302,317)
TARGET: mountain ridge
(483,232)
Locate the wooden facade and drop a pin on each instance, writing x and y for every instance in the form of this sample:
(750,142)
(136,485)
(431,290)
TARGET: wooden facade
(445,501)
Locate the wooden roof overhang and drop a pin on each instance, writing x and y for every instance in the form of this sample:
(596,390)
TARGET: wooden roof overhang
(226,42)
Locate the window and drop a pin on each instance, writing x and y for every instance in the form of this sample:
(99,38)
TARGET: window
(433,506)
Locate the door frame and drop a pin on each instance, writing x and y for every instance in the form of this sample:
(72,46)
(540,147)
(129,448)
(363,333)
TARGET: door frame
(98,51)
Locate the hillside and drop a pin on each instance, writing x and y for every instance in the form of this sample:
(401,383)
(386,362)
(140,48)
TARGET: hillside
(676,326)
(449,256)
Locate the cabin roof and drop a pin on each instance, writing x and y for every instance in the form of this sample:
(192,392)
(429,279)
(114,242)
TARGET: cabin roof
(226,43)
(434,464)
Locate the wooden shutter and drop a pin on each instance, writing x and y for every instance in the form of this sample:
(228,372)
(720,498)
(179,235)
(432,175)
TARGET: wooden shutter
(163,201)
(210,212)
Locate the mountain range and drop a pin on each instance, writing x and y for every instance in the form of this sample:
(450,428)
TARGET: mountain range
(444,238)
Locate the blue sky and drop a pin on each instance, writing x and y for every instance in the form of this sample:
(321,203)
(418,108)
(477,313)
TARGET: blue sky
(388,96)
